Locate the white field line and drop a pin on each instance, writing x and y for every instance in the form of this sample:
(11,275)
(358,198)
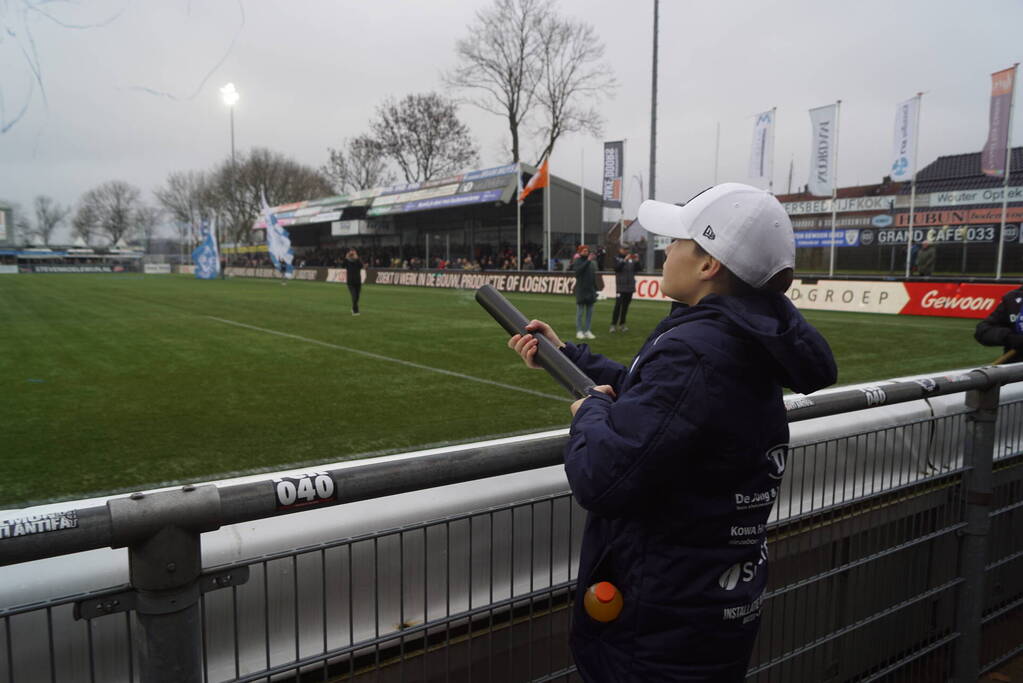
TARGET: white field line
(399,361)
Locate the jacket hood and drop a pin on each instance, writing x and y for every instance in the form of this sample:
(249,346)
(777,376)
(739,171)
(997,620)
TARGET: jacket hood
(800,356)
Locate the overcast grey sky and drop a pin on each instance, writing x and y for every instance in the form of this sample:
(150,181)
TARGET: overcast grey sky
(130,88)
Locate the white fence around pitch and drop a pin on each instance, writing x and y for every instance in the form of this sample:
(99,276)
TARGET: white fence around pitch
(472,581)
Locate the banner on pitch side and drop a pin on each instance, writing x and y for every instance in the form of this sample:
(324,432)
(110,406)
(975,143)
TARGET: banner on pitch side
(612,174)
(904,141)
(761,158)
(939,299)
(992,158)
(824,121)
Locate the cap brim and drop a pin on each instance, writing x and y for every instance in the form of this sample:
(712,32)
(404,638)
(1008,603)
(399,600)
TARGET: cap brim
(662,218)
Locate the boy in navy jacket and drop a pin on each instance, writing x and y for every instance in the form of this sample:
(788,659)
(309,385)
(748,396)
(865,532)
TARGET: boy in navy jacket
(678,458)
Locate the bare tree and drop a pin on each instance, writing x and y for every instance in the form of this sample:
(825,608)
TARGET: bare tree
(359,165)
(21,225)
(234,189)
(572,80)
(424,137)
(84,225)
(49,215)
(111,209)
(147,220)
(499,62)
(187,200)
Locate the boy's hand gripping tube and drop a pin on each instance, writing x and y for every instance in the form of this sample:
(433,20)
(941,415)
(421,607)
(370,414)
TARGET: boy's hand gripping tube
(547,355)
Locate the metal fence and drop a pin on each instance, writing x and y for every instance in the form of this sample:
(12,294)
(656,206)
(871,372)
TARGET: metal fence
(896,554)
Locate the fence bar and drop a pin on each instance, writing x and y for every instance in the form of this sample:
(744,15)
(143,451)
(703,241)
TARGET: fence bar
(978,455)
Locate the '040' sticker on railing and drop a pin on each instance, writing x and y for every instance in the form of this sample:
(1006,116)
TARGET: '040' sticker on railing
(315,488)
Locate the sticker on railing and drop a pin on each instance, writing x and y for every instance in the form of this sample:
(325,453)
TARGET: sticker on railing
(38,524)
(797,403)
(314,488)
(927,384)
(875,396)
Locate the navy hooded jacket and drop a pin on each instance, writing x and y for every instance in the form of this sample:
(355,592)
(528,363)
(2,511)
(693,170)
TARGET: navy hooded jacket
(679,474)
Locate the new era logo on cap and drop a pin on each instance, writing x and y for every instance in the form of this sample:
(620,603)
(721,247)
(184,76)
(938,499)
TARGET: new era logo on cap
(708,232)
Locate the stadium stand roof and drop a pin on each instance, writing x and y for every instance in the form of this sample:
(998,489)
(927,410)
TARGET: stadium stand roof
(487,185)
(962,172)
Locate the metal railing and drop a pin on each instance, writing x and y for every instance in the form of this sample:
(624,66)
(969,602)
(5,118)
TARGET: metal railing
(896,555)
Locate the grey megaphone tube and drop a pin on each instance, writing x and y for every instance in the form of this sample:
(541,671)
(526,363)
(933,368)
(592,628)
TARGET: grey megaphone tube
(564,371)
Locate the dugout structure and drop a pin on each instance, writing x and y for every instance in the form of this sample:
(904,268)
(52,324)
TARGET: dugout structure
(470,215)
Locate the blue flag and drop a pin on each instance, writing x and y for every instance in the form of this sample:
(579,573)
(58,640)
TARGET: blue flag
(278,242)
(206,256)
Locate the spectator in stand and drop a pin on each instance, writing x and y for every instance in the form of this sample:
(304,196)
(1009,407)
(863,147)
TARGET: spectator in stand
(527,262)
(626,264)
(353,277)
(601,255)
(584,265)
(925,259)
(1004,326)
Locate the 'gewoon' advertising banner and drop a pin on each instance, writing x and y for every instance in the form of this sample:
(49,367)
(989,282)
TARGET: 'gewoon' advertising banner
(942,299)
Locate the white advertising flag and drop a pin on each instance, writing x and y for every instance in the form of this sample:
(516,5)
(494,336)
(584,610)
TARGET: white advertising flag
(904,142)
(822,151)
(761,158)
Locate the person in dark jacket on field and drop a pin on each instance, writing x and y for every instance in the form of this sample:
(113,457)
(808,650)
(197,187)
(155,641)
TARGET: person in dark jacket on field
(585,268)
(925,259)
(1004,326)
(626,264)
(678,457)
(353,276)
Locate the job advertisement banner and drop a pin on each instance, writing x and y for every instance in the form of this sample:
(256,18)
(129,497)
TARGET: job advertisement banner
(539,283)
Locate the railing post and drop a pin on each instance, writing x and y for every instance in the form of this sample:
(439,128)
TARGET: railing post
(977,461)
(164,570)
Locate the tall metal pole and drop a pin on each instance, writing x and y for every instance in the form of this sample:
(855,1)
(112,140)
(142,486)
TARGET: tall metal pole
(653,142)
(912,186)
(717,149)
(1008,172)
(774,127)
(231,108)
(518,217)
(582,198)
(834,190)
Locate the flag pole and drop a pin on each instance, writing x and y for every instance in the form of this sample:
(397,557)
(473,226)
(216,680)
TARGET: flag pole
(1008,172)
(518,216)
(717,149)
(912,183)
(834,190)
(582,198)
(774,128)
(547,219)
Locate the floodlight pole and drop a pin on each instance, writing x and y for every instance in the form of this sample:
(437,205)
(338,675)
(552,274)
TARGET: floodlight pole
(653,144)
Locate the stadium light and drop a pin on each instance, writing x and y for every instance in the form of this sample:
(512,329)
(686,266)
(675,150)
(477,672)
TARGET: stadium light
(230,96)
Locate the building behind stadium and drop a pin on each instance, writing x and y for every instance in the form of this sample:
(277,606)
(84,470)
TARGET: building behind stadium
(957,209)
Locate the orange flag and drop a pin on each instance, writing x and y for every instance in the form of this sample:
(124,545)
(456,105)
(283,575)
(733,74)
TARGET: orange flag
(541,179)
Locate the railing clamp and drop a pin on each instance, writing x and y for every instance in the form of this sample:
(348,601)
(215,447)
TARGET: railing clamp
(129,600)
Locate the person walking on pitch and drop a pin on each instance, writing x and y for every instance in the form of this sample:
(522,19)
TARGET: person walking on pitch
(678,457)
(353,276)
(585,268)
(626,264)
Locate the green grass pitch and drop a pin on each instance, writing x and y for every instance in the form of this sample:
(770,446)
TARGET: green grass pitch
(115,383)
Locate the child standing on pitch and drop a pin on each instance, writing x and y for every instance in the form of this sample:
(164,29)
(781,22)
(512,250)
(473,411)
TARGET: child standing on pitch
(678,457)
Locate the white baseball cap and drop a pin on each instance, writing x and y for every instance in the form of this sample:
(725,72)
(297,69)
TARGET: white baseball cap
(742,226)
